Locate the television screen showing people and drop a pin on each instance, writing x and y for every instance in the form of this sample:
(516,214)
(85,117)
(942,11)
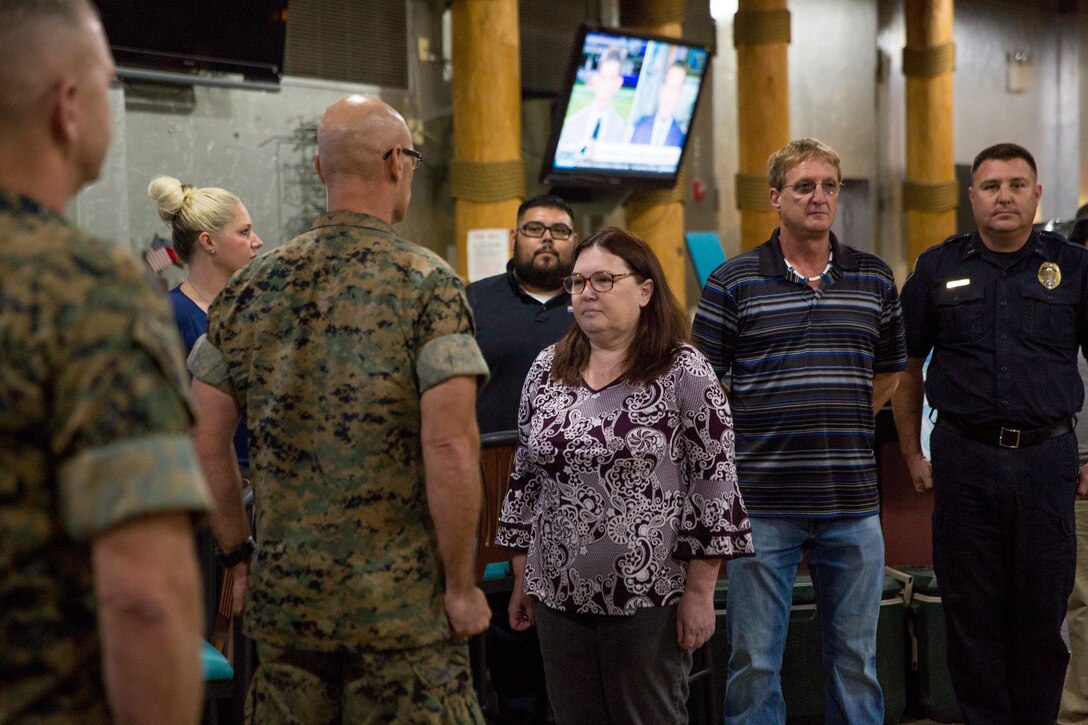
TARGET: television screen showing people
(630,106)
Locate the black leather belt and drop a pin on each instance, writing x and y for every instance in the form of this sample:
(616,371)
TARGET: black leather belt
(1001,436)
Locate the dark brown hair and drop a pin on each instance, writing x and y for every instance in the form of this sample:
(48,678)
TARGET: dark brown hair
(1004,152)
(662,326)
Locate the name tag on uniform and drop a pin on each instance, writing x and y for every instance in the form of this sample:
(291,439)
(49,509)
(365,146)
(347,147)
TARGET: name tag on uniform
(954,283)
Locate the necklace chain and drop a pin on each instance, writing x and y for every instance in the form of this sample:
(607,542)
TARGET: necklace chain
(200,297)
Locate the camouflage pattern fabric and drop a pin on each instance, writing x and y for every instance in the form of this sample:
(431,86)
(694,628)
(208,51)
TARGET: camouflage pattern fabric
(93,431)
(327,343)
(422,686)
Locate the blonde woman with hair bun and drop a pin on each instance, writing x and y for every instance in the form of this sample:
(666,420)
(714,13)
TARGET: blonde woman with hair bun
(213,234)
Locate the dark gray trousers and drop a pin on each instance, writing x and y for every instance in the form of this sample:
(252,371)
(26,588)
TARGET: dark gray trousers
(614,669)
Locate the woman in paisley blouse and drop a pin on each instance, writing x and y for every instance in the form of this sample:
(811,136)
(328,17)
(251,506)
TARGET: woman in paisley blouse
(623,501)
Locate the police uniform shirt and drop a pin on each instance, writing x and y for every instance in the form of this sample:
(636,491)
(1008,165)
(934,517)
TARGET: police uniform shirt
(1004,329)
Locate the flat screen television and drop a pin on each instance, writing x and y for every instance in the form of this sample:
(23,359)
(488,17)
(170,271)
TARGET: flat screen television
(624,114)
(199,35)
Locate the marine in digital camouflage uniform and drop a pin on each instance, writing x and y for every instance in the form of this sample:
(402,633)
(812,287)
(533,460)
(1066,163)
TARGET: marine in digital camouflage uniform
(327,345)
(95,458)
(94,431)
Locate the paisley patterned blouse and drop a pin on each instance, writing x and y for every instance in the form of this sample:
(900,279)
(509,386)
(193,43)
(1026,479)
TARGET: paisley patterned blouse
(613,490)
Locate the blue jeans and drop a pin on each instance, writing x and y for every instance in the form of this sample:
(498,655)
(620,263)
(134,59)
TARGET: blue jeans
(846,560)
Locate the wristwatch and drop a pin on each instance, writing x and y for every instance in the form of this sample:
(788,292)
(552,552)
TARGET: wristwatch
(238,554)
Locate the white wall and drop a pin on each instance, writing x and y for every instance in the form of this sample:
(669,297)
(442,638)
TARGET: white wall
(833,64)
(723,103)
(1043,119)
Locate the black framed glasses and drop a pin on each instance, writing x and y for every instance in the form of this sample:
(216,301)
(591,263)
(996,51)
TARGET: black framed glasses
(805,188)
(599,281)
(536,230)
(415,156)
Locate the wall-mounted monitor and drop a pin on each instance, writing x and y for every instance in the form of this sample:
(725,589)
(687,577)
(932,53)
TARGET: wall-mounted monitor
(199,35)
(625,112)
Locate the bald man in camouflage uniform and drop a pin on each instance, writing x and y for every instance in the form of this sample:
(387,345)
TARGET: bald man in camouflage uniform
(351,352)
(100,613)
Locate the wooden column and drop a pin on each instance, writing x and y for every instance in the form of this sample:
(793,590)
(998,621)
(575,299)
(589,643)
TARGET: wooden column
(761,34)
(658,216)
(487,175)
(931,194)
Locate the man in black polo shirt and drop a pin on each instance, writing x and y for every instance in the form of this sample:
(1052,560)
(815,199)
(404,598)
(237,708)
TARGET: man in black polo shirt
(1004,311)
(521,312)
(518,314)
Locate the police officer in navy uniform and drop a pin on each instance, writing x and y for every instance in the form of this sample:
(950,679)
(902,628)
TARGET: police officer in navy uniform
(1004,311)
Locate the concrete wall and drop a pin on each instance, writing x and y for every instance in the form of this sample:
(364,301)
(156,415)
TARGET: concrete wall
(832,78)
(1042,118)
(261,145)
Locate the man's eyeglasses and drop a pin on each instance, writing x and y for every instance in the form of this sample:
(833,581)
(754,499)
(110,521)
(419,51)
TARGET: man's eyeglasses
(536,230)
(415,156)
(804,188)
(599,281)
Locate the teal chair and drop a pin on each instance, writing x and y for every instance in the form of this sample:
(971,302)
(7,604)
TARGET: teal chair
(705,250)
(216,666)
(220,706)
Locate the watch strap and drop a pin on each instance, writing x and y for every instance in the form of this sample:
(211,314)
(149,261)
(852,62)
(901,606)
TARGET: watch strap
(238,554)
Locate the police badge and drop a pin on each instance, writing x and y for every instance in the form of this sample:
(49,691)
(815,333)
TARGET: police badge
(1050,275)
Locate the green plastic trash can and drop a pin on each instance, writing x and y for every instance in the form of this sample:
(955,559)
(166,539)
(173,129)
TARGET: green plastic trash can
(929,686)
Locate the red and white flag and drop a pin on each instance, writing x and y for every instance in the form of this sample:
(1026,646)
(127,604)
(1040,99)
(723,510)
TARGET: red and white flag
(158,259)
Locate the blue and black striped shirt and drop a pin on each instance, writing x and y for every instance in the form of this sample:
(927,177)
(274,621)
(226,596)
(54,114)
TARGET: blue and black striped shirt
(802,364)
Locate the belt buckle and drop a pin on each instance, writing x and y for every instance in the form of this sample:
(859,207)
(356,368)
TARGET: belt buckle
(1001,438)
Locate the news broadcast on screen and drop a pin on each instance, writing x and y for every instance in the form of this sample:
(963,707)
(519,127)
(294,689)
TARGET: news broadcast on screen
(627,110)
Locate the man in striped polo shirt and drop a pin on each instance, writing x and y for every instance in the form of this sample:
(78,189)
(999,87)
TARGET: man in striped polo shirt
(812,334)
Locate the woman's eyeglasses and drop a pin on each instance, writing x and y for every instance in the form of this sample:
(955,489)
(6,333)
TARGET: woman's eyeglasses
(599,281)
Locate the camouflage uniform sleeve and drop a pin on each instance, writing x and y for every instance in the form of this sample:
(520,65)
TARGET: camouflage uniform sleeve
(447,337)
(449,356)
(103,486)
(121,416)
(207,364)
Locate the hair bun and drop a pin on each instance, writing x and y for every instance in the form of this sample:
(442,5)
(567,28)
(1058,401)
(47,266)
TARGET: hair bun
(169,194)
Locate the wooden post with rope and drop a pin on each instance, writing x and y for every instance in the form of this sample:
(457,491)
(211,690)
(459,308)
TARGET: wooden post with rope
(487,174)
(761,34)
(931,194)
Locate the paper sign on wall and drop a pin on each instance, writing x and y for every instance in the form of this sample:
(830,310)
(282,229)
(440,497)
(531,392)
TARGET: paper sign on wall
(488,250)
